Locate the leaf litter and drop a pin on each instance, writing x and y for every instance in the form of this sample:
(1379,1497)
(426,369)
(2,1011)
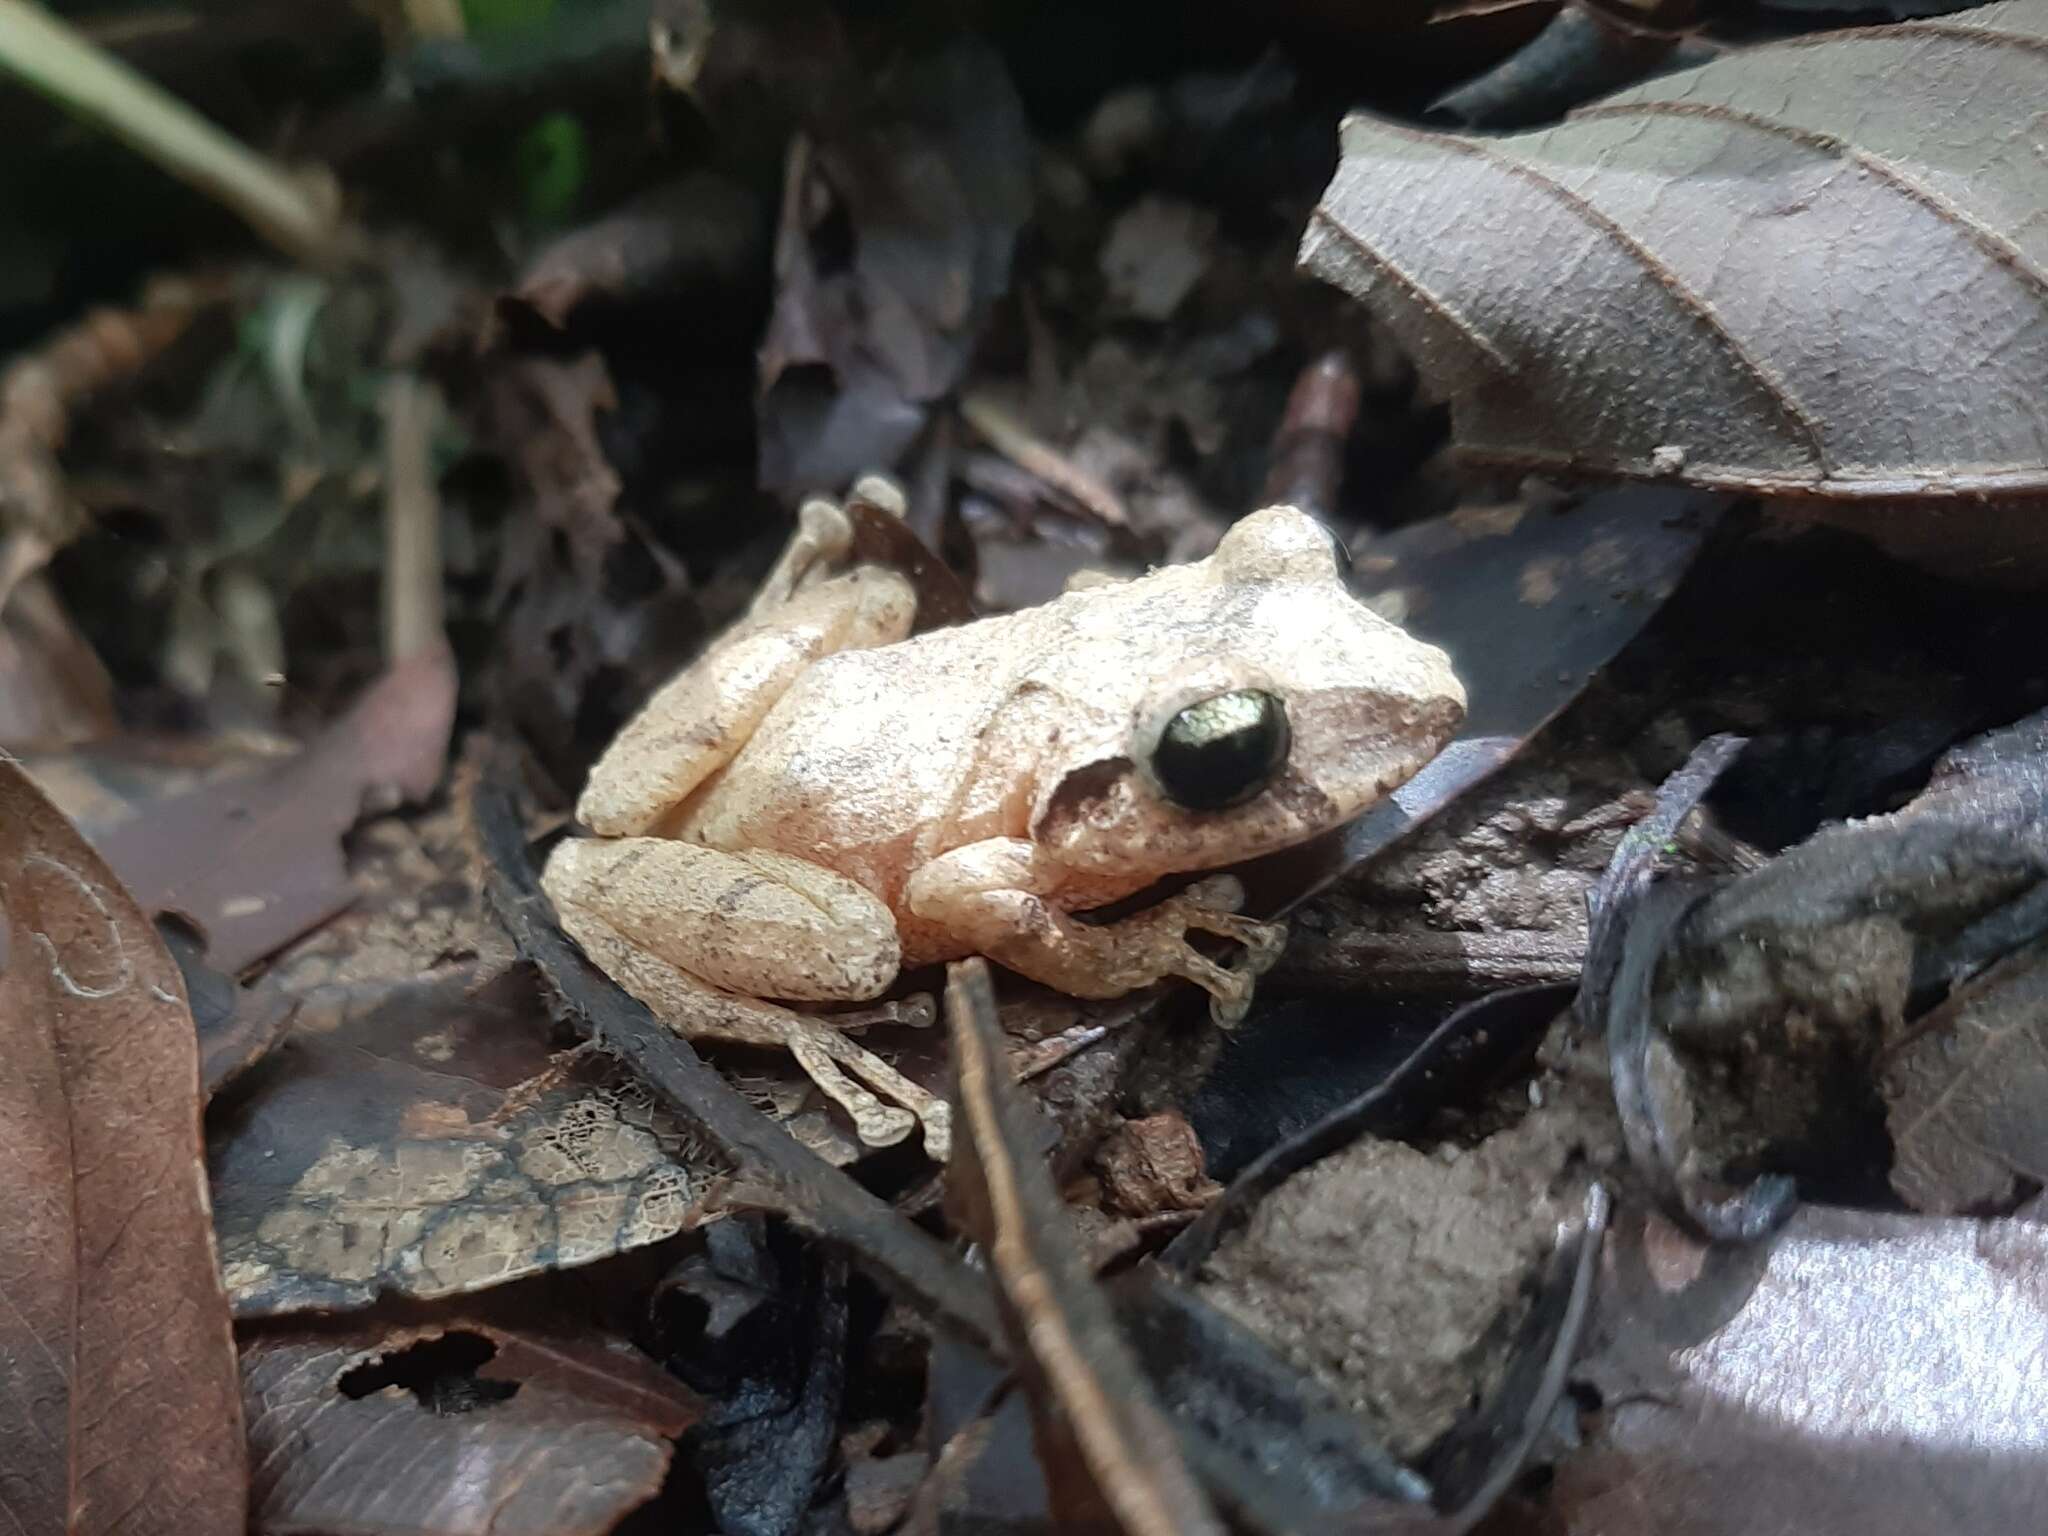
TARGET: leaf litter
(477,1210)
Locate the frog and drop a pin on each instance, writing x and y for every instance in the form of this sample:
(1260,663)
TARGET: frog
(825,798)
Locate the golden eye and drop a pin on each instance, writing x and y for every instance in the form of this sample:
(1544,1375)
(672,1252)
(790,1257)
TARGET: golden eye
(1222,750)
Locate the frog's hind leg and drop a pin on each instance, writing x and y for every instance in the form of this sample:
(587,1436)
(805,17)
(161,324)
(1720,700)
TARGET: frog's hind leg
(668,920)
(755,923)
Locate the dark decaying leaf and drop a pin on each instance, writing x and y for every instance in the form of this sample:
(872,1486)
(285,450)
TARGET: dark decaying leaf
(118,1408)
(460,1427)
(253,862)
(1963,1091)
(1634,863)
(432,1142)
(1112,1463)
(1632,924)
(592,617)
(670,238)
(898,224)
(235,1030)
(1787,1001)
(1811,268)
(1886,1375)
(1577,56)
(1530,602)
(769,1354)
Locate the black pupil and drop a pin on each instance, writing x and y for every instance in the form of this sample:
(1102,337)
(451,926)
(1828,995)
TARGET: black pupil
(1222,750)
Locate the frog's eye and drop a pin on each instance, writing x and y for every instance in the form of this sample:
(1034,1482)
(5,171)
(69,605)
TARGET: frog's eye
(1222,750)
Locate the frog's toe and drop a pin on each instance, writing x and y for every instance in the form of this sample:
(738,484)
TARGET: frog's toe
(1229,1012)
(938,1132)
(881,1125)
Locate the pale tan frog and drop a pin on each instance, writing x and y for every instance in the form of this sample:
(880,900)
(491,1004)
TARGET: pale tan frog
(819,800)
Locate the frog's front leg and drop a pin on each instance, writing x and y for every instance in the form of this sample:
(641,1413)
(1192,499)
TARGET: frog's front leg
(697,935)
(697,722)
(994,899)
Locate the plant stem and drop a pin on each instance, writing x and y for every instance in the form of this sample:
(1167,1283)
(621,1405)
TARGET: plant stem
(55,60)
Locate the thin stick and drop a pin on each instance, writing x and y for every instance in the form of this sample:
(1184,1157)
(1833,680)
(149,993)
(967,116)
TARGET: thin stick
(412,521)
(55,60)
(1005,433)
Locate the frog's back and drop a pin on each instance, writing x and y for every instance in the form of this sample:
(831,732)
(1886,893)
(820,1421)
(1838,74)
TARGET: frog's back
(877,760)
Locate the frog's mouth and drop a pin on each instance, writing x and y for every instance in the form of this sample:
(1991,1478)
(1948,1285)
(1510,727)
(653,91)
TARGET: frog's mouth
(1106,817)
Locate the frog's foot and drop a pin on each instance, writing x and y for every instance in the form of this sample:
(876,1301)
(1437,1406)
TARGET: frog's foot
(821,1051)
(988,898)
(696,1010)
(1213,905)
(881,493)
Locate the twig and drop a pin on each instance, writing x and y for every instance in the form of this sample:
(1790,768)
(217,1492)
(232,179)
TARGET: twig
(1015,442)
(1112,1461)
(285,209)
(412,521)
(40,389)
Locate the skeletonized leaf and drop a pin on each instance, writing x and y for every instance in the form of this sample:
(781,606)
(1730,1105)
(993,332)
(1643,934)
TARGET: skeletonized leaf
(1818,267)
(118,1405)
(433,1143)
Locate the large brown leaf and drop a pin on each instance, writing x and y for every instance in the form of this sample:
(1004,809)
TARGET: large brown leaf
(118,1404)
(1816,268)
(461,1428)
(255,861)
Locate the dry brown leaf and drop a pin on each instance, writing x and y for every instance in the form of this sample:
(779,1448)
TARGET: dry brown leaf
(578,1441)
(1817,267)
(118,1407)
(255,861)
(1964,1097)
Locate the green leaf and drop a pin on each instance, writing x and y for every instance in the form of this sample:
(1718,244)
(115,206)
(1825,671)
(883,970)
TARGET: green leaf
(551,161)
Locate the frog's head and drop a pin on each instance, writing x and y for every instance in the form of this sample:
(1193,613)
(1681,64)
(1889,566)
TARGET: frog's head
(1277,706)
